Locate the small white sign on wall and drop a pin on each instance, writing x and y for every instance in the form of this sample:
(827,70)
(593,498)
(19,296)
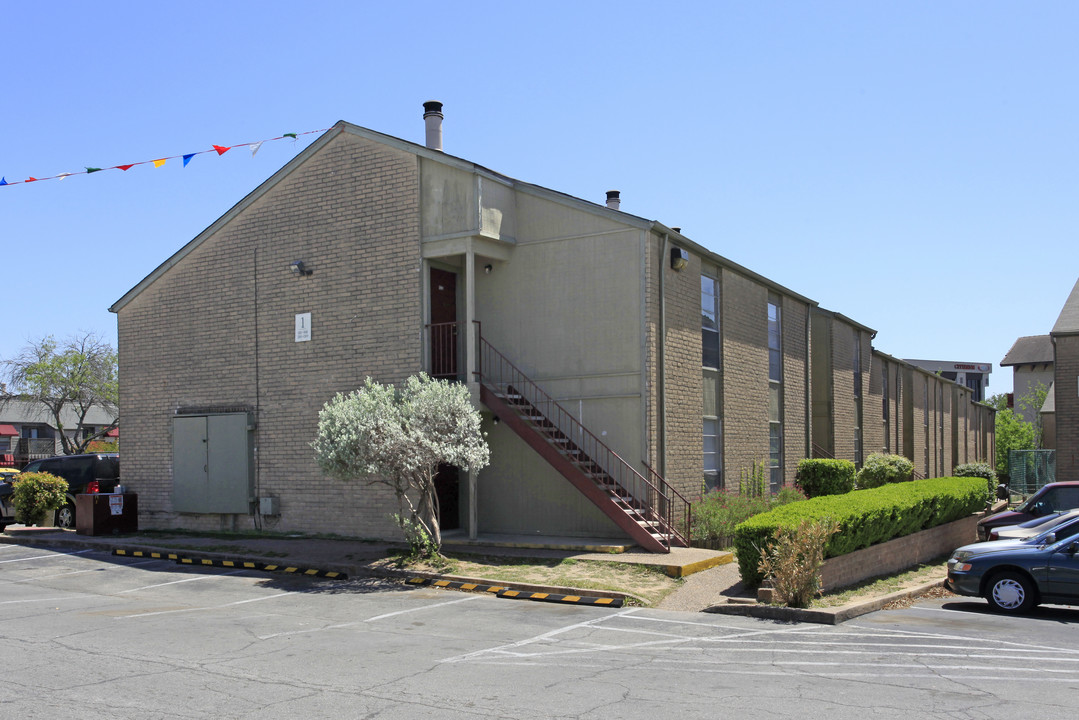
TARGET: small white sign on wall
(303,327)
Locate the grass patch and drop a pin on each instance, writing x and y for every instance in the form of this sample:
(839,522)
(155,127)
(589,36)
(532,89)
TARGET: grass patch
(233,549)
(648,583)
(876,587)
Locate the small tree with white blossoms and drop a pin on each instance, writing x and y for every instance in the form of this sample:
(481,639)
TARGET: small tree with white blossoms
(400,437)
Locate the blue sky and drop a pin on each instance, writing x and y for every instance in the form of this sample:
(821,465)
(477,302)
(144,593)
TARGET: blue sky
(911,165)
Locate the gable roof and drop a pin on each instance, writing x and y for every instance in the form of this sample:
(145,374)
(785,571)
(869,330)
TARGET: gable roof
(1030,350)
(1068,322)
(423,151)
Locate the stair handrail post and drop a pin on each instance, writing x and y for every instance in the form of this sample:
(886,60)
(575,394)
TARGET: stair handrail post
(640,488)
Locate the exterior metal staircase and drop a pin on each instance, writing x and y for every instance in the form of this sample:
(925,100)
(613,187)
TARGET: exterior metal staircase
(651,512)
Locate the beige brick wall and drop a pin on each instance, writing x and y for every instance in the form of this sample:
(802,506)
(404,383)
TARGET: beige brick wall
(843,402)
(795,386)
(745,374)
(920,388)
(684,390)
(873,439)
(350,212)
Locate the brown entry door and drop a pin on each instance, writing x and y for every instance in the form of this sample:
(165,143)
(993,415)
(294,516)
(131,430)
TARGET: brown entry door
(443,324)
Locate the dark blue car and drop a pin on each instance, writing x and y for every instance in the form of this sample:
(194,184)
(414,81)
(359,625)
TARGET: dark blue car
(1016,575)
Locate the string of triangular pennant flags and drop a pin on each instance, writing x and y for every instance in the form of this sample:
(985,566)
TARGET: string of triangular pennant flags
(219,149)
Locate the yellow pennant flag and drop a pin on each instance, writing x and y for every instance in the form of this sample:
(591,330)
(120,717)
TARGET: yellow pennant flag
(159,163)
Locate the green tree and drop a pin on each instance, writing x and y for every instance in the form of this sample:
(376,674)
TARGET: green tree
(75,376)
(1012,432)
(400,437)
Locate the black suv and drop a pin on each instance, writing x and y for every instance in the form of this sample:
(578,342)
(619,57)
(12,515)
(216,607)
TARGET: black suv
(7,510)
(84,474)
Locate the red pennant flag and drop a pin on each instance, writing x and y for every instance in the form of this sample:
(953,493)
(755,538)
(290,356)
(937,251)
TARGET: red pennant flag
(33,179)
(125,168)
(221,150)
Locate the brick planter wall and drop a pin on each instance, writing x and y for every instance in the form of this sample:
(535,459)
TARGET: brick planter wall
(898,554)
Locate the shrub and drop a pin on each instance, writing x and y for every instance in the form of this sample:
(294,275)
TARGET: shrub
(982,470)
(34,494)
(792,561)
(880,469)
(718,513)
(787,495)
(865,517)
(754,482)
(821,476)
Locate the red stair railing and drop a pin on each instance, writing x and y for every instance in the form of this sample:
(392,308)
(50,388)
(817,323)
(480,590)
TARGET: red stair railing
(656,502)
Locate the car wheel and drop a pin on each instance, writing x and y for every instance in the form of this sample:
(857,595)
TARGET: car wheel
(1010,592)
(65,516)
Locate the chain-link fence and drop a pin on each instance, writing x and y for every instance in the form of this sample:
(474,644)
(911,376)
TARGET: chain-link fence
(1030,470)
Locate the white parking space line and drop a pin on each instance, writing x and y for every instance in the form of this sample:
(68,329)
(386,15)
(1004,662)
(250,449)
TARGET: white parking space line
(202,609)
(538,638)
(52,555)
(858,652)
(75,572)
(341,626)
(48,599)
(425,607)
(185,580)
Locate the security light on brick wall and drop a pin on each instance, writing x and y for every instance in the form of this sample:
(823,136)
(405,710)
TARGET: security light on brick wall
(679,258)
(298,268)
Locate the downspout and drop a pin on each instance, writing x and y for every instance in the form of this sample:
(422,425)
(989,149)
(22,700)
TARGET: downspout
(661,359)
(808,384)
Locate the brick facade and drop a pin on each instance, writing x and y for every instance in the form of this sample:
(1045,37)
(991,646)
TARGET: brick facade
(683,385)
(217,329)
(1066,397)
(214,328)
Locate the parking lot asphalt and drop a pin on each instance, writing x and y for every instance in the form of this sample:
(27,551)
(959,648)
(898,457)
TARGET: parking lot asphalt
(710,580)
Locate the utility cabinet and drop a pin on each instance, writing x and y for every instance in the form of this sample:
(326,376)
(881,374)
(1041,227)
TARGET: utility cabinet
(212,463)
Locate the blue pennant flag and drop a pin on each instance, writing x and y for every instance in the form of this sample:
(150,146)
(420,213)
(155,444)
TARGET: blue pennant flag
(3,181)
(187,158)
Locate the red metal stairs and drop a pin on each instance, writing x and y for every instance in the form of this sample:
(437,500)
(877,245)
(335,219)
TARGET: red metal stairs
(646,509)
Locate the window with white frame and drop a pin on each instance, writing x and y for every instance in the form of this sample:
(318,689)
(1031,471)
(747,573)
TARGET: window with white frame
(775,392)
(711,362)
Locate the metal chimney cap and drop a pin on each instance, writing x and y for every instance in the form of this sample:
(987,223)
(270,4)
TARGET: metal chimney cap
(432,107)
(613,194)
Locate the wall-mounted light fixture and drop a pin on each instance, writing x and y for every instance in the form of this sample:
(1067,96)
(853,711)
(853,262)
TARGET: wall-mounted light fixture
(679,258)
(298,268)
(488,268)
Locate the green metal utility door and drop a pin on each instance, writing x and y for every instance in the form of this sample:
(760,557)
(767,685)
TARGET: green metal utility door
(211,463)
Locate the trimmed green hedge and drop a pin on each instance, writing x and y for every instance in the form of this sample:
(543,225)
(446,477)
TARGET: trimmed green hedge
(824,476)
(881,469)
(865,517)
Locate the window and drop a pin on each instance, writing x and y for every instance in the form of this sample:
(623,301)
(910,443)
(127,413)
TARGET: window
(709,322)
(711,360)
(775,392)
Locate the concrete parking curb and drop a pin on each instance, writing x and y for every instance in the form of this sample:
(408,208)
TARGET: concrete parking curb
(826,616)
(208,559)
(513,590)
(505,592)
(517,590)
(233,562)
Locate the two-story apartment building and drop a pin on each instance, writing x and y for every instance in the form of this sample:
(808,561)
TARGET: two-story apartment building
(621,368)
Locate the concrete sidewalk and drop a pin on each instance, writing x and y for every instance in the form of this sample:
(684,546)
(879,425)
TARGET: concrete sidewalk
(710,580)
(355,557)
